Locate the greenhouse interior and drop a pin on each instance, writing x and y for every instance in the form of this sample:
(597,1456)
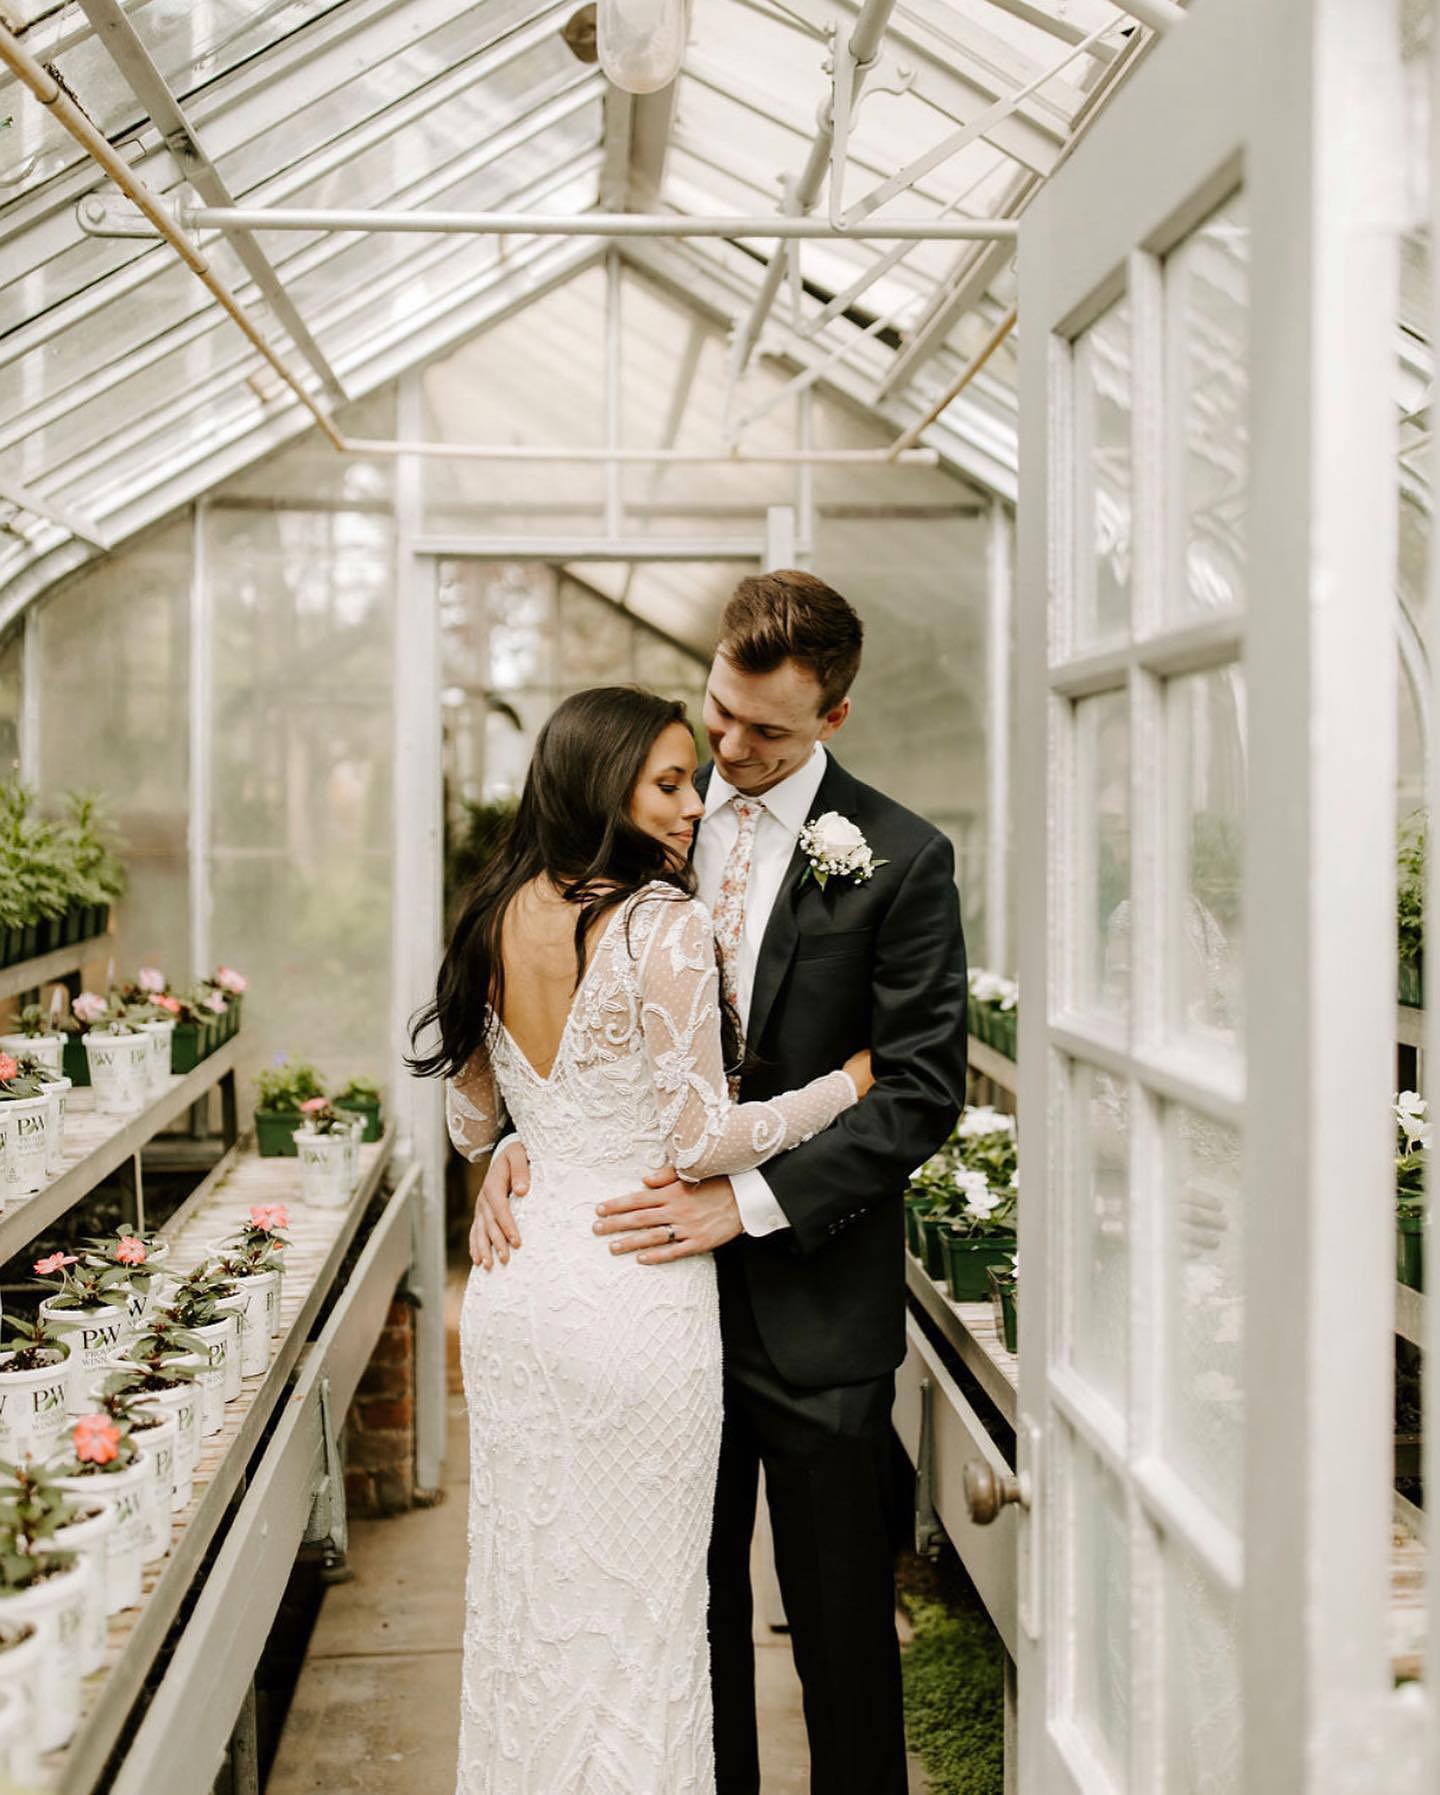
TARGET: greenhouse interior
(451,456)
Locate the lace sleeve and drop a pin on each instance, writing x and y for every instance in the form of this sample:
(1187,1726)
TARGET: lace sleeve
(680,1021)
(472,1110)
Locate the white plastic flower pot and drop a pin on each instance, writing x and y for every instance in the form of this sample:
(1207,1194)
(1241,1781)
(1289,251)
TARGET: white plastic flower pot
(57,1090)
(235,1350)
(157,1433)
(119,1072)
(48,1049)
(24,1145)
(141,1305)
(22,1671)
(93,1335)
(182,1404)
(324,1167)
(89,1537)
(159,1033)
(34,1408)
(56,1608)
(217,1337)
(130,1492)
(256,1303)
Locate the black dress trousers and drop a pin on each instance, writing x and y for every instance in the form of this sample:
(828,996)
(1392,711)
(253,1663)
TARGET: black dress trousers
(831,1484)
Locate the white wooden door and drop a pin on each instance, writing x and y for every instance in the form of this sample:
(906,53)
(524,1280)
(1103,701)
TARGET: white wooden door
(1205,809)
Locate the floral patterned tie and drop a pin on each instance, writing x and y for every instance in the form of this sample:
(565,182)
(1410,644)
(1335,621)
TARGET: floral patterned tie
(730,904)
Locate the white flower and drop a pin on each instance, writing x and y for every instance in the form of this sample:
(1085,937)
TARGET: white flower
(991,987)
(836,848)
(982,1207)
(89,1006)
(150,978)
(982,1120)
(1412,1114)
(969,1183)
(1015,1265)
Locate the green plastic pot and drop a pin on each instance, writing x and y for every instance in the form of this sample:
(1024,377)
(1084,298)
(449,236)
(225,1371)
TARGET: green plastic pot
(968,1260)
(1412,982)
(933,1230)
(75,1060)
(1410,1250)
(1003,1033)
(371,1111)
(1003,1296)
(914,1232)
(185,1047)
(275,1132)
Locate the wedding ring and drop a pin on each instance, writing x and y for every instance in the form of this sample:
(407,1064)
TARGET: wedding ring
(670,1230)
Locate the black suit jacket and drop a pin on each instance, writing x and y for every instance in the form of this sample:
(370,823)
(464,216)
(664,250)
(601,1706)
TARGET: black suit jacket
(878,965)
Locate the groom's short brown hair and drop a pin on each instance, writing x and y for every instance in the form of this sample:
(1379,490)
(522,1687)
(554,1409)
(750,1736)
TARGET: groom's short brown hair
(788,615)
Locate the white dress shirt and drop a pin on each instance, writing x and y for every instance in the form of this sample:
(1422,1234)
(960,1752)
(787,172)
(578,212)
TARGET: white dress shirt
(786,810)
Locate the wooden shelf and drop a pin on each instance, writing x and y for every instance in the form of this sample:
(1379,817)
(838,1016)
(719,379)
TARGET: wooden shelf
(993,1065)
(96,1146)
(320,1239)
(970,1329)
(44,969)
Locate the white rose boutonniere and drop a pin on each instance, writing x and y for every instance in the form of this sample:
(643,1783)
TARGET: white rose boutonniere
(836,849)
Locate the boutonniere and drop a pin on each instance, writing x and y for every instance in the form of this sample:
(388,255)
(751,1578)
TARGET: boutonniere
(836,849)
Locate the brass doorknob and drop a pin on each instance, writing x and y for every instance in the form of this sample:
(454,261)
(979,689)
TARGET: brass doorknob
(986,1494)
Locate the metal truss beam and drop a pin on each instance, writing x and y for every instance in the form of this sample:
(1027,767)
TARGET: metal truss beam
(122,41)
(586,224)
(664,457)
(13,492)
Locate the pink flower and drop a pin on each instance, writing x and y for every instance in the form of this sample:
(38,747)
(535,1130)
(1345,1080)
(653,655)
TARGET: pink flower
(96,1439)
(56,1262)
(270,1216)
(312,1106)
(89,1006)
(230,980)
(171,1004)
(151,979)
(131,1251)
(9,1066)
(215,1000)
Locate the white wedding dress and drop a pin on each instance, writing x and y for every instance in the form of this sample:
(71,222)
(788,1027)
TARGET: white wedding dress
(593,1381)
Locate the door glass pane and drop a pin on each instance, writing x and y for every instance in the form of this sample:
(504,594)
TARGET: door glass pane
(1098,1260)
(1202,1410)
(1202,1676)
(1102,851)
(1100,1675)
(1206,934)
(1103,477)
(1207,324)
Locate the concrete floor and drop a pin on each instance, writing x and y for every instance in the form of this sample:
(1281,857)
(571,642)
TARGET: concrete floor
(376,1708)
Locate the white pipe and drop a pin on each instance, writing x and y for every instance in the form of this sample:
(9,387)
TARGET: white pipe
(591,224)
(691,457)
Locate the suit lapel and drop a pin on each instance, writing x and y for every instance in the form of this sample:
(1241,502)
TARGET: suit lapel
(782,932)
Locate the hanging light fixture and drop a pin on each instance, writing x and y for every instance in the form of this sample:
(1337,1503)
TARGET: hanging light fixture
(641,42)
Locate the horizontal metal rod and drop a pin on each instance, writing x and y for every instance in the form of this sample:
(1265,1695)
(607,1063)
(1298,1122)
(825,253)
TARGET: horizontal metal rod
(588,224)
(470,545)
(642,457)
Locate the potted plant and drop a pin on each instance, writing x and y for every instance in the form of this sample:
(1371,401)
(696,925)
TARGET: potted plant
(1410,909)
(142,1257)
(993,1005)
(326,1143)
(46,1587)
(165,1342)
(56,1087)
(24,1131)
(155,1431)
(119,1056)
(49,1515)
(252,1260)
(100,1459)
(88,1308)
(22,1665)
(35,1037)
(282,1090)
(74,1062)
(232,986)
(165,1387)
(203,1302)
(1412,1132)
(191,1040)
(1004,1291)
(980,1230)
(362,1096)
(930,1190)
(215,1332)
(97,878)
(34,1387)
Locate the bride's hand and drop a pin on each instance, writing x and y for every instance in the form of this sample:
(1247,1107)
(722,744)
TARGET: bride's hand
(858,1066)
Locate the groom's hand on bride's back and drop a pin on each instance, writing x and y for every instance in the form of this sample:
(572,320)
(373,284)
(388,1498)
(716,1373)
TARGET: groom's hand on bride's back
(493,1233)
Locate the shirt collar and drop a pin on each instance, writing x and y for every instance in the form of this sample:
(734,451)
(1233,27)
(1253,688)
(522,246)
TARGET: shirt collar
(788,802)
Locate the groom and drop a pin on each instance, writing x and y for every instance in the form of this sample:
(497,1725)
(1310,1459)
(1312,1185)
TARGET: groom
(809,1252)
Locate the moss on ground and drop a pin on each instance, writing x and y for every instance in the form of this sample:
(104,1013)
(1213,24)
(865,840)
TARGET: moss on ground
(954,1672)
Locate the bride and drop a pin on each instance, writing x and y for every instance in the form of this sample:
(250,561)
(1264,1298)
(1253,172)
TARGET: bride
(580,996)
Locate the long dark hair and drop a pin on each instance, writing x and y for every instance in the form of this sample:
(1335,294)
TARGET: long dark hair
(572,825)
